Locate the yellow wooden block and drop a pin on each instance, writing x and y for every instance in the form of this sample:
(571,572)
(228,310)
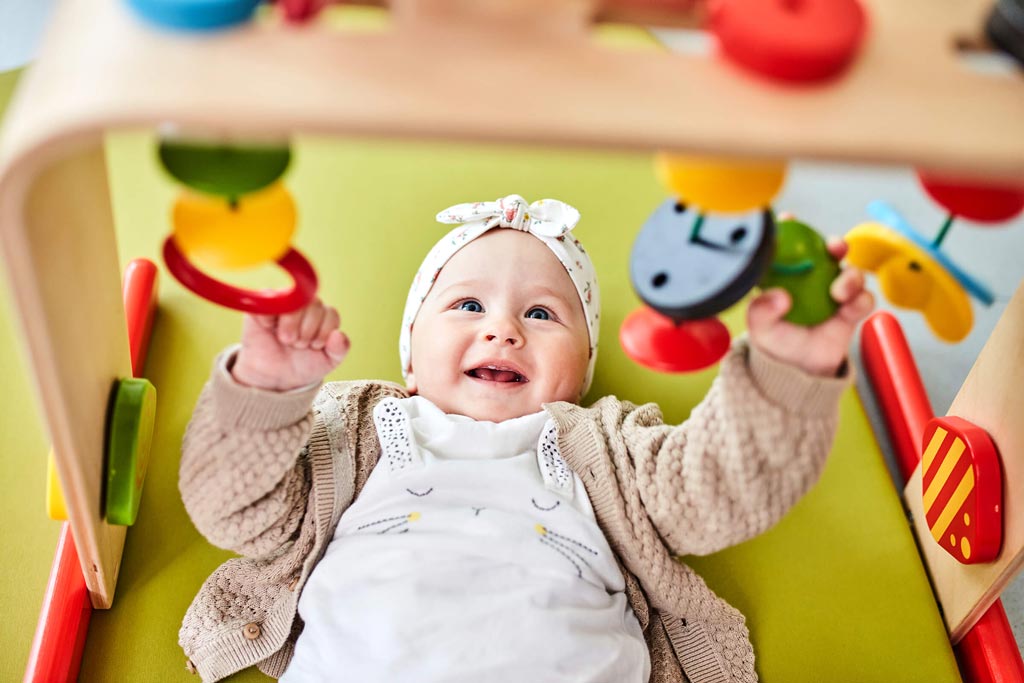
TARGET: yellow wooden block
(55,507)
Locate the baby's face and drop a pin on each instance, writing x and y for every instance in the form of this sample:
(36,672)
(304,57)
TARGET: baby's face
(501,332)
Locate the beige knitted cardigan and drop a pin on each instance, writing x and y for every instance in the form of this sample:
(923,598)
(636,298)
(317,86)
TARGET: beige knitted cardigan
(267,477)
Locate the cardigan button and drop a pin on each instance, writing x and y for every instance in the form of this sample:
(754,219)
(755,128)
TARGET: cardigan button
(251,631)
(294,582)
(190,667)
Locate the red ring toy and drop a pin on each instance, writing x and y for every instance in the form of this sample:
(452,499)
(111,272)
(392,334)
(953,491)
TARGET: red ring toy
(259,303)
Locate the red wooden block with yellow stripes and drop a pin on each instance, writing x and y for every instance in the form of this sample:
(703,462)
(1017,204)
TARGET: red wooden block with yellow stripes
(962,485)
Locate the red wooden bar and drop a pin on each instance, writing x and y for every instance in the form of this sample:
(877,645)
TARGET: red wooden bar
(64,622)
(901,396)
(139,308)
(988,653)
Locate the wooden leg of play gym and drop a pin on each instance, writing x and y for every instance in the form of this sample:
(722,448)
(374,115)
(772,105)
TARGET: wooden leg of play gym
(57,648)
(61,255)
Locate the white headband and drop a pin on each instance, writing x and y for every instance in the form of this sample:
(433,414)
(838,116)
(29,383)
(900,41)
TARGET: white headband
(549,220)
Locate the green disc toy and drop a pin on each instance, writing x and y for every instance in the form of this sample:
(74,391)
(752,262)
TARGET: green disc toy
(228,171)
(804,268)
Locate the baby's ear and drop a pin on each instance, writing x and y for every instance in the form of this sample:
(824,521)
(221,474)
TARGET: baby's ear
(410,382)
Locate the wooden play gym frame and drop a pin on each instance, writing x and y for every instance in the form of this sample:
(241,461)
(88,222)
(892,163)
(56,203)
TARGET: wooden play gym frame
(908,99)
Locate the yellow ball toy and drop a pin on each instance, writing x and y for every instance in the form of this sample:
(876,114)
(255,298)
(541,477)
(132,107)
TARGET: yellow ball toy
(217,234)
(720,185)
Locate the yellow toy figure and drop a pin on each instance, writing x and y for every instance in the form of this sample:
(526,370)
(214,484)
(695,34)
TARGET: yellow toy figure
(913,271)
(911,278)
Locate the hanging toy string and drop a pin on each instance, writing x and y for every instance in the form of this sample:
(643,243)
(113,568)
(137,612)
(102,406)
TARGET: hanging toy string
(943,230)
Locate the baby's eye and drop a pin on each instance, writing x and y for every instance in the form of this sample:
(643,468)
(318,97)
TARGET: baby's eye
(472,306)
(538,313)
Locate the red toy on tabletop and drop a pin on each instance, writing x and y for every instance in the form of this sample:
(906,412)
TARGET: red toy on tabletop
(790,40)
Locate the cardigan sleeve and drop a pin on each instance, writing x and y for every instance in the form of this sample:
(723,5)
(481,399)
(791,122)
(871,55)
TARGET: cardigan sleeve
(244,475)
(749,451)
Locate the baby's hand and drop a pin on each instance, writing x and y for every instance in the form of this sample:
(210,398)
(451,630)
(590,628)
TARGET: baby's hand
(283,352)
(821,349)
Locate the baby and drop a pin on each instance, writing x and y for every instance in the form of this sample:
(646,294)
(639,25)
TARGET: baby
(479,524)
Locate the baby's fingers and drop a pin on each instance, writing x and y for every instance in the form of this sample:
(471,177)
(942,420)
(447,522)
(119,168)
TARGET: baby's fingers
(310,325)
(837,247)
(337,345)
(767,309)
(331,321)
(858,308)
(288,326)
(847,286)
(267,322)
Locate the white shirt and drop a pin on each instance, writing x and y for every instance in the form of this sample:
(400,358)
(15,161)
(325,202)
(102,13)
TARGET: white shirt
(472,554)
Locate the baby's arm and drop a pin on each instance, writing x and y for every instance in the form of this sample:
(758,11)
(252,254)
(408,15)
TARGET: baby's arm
(751,449)
(243,477)
(760,438)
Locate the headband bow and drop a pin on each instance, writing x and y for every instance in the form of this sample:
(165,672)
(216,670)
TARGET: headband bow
(543,218)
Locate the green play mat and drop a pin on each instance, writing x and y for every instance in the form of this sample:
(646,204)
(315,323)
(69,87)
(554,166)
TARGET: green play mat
(836,592)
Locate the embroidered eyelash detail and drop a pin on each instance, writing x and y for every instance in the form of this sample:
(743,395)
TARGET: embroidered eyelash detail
(566,540)
(380,521)
(400,521)
(534,501)
(579,569)
(420,494)
(563,545)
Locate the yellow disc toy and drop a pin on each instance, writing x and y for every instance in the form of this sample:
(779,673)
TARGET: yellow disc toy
(254,230)
(725,185)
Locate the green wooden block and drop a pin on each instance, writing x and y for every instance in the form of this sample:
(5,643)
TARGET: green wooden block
(130,436)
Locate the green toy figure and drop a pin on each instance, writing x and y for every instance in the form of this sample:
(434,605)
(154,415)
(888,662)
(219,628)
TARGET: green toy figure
(804,268)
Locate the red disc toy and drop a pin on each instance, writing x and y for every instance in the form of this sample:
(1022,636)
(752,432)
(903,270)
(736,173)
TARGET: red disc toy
(791,40)
(985,203)
(249,301)
(656,342)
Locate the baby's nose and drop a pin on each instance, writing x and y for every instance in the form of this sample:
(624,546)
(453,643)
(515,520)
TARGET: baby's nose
(509,336)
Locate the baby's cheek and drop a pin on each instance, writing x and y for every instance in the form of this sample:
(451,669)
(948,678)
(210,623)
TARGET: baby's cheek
(571,387)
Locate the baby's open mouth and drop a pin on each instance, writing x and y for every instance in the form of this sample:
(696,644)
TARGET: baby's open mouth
(495,373)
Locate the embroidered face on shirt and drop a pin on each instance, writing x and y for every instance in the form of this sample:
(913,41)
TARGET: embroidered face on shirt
(487,493)
(501,333)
